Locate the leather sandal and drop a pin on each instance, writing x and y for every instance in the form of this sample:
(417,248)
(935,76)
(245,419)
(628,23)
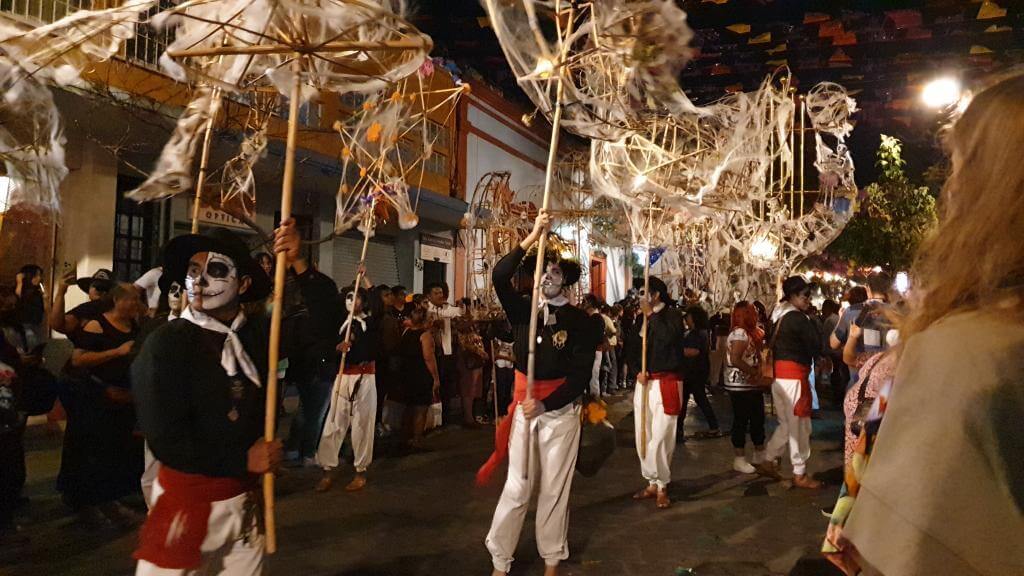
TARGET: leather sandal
(357,484)
(646,494)
(663,500)
(805,481)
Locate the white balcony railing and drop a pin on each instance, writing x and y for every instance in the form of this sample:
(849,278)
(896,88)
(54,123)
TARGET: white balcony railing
(144,49)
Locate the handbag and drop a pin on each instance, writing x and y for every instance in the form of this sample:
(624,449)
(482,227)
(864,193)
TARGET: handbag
(860,415)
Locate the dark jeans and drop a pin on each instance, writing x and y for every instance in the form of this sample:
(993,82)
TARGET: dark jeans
(506,378)
(314,400)
(699,391)
(12,473)
(449,375)
(609,371)
(747,416)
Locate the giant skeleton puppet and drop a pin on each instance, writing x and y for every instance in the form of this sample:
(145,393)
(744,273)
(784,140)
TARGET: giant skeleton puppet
(354,395)
(197,382)
(541,437)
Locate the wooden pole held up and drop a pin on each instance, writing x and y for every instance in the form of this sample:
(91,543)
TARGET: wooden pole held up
(538,269)
(360,272)
(273,356)
(204,162)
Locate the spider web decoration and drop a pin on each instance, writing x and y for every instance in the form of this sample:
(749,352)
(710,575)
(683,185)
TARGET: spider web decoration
(386,143)
(619,56)
(31,138)
(237,182)
(245,46)
(62,50)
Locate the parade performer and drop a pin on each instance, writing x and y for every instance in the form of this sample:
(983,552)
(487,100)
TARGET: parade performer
(198,387)
(550,419)
(354,396)
(657,400)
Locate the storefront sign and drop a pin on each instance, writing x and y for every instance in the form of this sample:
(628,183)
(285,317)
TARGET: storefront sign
(208,215)
(436,248)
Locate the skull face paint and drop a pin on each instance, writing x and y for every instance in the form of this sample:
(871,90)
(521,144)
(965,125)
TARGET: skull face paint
(352,302)
(552,282)
(212,282)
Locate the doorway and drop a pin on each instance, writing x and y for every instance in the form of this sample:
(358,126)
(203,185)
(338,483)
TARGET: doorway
(434,272)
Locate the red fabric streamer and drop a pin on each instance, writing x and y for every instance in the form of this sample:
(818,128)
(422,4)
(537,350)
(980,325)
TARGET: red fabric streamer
(789,370)
(541,390)
(176,526)
(671,394)
(364,368)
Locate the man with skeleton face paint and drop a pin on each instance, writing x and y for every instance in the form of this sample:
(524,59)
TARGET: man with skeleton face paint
(657,400)
(566,344)
(354,396)
(198,386)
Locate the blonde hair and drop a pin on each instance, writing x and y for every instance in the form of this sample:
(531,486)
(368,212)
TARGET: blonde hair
(975,256)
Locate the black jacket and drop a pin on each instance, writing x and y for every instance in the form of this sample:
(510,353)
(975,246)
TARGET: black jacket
(567,347)
(195,417)
(797,339)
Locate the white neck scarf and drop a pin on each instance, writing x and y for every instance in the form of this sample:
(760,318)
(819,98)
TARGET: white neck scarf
(361,318)
(544,303)
(233,356)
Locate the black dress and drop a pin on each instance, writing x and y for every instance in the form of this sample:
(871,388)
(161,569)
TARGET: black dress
(415,385)
(102,457)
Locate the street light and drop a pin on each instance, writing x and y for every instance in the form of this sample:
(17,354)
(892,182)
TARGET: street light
(941,93)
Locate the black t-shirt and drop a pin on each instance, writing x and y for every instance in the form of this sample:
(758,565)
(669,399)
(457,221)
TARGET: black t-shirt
(698,368)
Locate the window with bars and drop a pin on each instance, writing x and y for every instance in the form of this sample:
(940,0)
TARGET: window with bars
(134,233)
(149,43)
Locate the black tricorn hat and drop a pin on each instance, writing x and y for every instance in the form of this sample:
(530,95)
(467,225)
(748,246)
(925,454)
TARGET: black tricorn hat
(180,250)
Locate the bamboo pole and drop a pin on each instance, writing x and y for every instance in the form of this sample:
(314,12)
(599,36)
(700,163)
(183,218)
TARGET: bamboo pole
(538,269)
(360,273)
(803,116)
(270,49)
(643,353)
(204,161)
(273,355)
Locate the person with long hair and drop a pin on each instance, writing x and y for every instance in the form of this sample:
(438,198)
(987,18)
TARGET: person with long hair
(943,492)
(420,383)
(743,383)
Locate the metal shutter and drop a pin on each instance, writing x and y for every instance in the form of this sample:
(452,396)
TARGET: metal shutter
(381,262)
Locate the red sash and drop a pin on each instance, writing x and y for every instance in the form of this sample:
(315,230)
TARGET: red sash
(175,529)
(789,370)
(541,390)
(671,395)
(364,368)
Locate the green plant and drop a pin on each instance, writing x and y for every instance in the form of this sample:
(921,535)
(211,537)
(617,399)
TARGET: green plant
(893,218)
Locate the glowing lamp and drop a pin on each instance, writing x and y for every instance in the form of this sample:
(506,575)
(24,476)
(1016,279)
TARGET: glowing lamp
(764,250)
(941,93)
(902,282)
(639,180)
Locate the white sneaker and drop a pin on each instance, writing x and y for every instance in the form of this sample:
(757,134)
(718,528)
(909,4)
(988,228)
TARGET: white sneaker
(741,465)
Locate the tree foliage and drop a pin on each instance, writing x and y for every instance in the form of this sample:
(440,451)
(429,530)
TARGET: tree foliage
(893,218)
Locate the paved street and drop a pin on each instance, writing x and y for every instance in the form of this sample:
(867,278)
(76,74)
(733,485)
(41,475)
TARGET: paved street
(421,515)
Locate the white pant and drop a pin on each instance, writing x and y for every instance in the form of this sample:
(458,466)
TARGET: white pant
(656,465)
(149,474)
(359,412)
(595,375)
(554,439)
(226,549)
(793,430)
